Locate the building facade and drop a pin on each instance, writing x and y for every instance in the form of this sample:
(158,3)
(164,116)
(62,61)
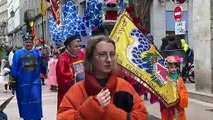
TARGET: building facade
(163,22)
(3,22)
(202,41)
(20,12)
(14,22)
(198,17)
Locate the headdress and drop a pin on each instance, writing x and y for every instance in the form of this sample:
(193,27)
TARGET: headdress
(70,39)
(174,59)
(27,36)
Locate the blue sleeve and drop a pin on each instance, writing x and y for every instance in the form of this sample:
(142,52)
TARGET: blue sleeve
(40,61)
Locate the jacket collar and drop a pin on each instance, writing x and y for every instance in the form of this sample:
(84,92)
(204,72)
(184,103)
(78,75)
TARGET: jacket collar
(93,87)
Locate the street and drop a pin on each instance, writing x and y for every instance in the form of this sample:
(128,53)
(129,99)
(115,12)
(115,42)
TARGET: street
(49,100)
(197,110)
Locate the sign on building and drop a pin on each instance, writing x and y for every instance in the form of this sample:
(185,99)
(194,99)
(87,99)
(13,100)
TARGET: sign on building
(178,13)
(180,28)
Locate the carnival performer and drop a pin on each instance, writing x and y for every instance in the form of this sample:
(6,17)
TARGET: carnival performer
(25,71)
(45,59)
(150,37)
(102,95)
(177,111)
(52,79)
(69,66)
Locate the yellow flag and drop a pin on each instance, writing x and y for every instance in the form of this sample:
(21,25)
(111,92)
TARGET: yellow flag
(137,56)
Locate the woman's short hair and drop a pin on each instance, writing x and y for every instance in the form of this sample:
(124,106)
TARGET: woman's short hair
(91,46)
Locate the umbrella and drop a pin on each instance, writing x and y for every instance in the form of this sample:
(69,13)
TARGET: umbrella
(3,105)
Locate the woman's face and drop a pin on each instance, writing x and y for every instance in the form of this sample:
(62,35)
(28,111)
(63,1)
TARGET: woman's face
(103,58)
(172,68)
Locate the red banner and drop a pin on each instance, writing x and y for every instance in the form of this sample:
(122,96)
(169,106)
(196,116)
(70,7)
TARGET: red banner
(55,9)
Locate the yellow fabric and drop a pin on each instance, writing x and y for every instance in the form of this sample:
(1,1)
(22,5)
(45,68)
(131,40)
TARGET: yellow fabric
(124,44)
(184,45)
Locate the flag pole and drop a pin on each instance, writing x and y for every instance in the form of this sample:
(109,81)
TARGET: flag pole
(42,21)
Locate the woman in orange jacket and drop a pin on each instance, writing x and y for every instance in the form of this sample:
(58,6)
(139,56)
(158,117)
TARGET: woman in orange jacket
(177,111)
(102,95)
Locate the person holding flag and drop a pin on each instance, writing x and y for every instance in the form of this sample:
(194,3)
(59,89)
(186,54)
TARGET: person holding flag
(176,111)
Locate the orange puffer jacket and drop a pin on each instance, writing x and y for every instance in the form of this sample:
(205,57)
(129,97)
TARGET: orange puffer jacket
(80,103)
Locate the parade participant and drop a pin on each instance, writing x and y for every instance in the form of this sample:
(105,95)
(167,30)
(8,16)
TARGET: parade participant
(52,79)
(66,70)
(5,72)
(151,39)
(45,58)
(10,56)
(102,95)
(177,111)
(25,71)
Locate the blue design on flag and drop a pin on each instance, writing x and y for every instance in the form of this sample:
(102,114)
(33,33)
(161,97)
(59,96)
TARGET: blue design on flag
(142,47)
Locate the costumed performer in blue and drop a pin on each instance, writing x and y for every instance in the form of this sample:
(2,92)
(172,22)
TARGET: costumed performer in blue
(26,71)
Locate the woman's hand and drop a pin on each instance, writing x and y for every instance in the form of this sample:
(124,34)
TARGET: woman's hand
(103,97)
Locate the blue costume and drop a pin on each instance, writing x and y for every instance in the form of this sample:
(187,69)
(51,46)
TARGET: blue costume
(26,71)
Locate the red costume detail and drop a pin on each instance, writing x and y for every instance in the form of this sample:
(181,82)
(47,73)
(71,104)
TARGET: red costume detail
(65,72)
